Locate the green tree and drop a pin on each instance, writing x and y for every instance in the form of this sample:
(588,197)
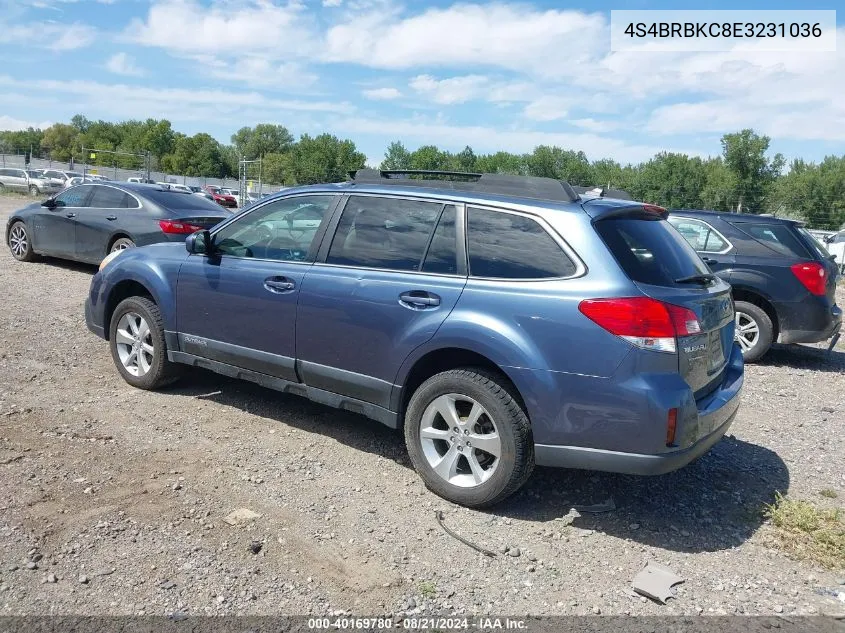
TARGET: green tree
(324,158)
(429,157)
(754,173)
(502,163)
(674,181)
(264,138)
(60,141)
(465,160)
(396,157)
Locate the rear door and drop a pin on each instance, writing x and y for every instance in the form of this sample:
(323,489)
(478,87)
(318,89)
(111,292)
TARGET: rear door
(96,223)
(384,283)
(665,267)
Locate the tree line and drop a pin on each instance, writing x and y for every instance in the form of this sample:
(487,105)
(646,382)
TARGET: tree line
(742,177)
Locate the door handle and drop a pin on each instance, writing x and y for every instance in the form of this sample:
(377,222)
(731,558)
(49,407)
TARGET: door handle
(279,284)
(419,299)
(111,217)
(709,260)
(71,215)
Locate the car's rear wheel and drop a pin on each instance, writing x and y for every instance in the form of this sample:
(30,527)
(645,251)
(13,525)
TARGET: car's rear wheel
(754,331)
(138,347)
(468,437)
(121,244)
(20,242)
(33,190)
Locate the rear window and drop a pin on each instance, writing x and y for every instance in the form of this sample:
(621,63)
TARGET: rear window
(650,251)
(814,244)
(175,199)
(779,237)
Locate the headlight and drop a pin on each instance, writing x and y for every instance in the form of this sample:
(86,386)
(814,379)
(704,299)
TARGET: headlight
(108,258)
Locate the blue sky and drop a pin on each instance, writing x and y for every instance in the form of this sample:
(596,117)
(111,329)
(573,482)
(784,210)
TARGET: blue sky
(499,75)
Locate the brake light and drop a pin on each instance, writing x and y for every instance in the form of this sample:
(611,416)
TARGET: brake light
(642,321)
(653,208)
(812,275)
(176,227)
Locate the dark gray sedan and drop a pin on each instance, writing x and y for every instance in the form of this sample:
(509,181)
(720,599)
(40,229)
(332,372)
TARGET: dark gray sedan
(89,221)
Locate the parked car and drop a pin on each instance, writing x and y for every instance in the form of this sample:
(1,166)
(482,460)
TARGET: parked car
(61,176)
(78,180)
(88,221)
(500,322)
(140,180)
(23,181)
(835,245)
(178,187)
(784,282)
(220,197)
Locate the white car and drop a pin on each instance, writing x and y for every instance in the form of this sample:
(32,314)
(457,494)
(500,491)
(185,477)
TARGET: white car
(61,176)
(836,246)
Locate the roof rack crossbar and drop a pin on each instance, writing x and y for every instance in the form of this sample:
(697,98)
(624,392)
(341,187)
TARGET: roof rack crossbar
(504,184)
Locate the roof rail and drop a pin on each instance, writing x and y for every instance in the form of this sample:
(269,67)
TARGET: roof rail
(504,184)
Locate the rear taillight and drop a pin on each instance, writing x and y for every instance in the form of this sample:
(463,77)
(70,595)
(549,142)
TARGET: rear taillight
(642,321)
(174,226)
(812,275)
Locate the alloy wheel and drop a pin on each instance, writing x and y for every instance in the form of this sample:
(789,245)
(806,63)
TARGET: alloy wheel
(134,344)
(747,331)
(460,440)
(18,240)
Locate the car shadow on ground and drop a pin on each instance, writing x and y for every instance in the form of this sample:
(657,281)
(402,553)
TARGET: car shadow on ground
(713,504)
(67,264)
(805,357)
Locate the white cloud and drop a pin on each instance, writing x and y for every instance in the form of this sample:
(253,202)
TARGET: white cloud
(177,104)
(258,72)
(329,4)
(381,94)
(549,108)
(51,35)
(9,124)
(508,36)
(234,28)
(452,90)
(123,64)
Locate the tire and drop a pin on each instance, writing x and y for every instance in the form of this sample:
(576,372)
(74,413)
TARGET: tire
(120,244)
(489,479)
(143,370)
(19,242)
(756,322)
(33,190)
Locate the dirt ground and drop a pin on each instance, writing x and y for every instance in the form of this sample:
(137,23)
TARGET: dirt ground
(112,499)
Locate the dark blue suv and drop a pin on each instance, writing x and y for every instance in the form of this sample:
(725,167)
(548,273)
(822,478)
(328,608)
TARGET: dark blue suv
(501,321)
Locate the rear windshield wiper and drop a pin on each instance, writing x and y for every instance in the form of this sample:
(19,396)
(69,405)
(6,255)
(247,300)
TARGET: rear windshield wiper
(703,278)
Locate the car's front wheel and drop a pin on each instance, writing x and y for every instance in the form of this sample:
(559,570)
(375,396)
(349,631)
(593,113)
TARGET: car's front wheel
(20,242)
(138,347)
(468,437)
(33,190)
(754,331)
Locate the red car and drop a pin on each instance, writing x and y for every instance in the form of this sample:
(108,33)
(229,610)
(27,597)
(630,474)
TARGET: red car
(223,199)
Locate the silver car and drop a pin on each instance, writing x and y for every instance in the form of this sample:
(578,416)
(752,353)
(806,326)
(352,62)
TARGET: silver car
(22,180)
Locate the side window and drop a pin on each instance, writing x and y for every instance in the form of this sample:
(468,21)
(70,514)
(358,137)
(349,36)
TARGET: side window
(281,230)
(507,246)
(4,172)
(74,197)
(700,235)
(778,237)
(387,233)
(109,198)
(442,255)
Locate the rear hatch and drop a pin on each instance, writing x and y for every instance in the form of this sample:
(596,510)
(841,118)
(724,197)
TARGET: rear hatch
(664,267)
(823,256)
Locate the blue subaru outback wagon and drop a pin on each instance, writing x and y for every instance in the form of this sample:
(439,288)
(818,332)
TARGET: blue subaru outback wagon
(500,321)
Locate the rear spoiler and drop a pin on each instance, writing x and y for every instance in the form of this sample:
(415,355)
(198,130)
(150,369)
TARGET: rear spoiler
(599,209)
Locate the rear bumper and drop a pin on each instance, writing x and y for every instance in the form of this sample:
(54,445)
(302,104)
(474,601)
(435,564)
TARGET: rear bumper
(700,425)
(808,321)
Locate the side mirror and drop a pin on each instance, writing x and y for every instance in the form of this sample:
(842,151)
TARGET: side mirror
(49,203)
(198,243)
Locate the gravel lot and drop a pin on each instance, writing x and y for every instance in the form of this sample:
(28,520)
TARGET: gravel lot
(112,499)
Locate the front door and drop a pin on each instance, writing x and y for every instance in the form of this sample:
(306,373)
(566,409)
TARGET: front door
(237,305)
(389,278)
(107,209)
(55,227)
